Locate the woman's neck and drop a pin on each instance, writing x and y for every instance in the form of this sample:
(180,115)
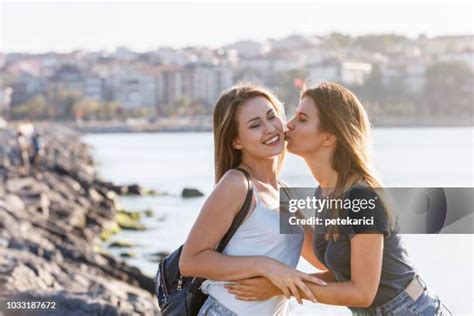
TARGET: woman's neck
(321,169)
(263,170)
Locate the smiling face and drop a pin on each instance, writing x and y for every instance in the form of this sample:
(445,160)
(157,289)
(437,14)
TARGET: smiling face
(304,135)
(260,129)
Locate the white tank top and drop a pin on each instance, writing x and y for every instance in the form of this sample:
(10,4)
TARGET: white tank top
(258,235)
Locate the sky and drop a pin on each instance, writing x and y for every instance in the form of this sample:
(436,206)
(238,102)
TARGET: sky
(90,25)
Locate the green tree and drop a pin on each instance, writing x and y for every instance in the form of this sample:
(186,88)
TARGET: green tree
(109,110)
(338,40)
(139,112)
(182,105)
(62,103)
(379,43)
(34,108)
(200,107)
(166,109)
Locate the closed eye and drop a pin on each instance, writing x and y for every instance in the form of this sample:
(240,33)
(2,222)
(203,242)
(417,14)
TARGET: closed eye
(302,118)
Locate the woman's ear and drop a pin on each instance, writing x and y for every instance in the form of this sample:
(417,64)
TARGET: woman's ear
(236,143)
(329,139)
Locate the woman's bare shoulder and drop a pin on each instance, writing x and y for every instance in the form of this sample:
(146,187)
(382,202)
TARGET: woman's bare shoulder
(233,182)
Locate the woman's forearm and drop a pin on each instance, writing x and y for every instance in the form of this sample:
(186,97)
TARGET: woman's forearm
(346,293)
(210,264)
(336,293)
(342,293)
(366,269)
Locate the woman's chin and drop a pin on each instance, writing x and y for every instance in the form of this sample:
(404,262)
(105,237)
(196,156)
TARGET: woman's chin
(277,150)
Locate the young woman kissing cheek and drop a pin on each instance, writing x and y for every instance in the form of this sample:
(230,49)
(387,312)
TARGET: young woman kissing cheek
(304,135)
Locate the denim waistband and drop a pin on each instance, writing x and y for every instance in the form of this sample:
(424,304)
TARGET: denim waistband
(213,307)
(403,299)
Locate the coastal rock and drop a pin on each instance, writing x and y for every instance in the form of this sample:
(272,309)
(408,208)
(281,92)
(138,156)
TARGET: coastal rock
(50,224)
(190,192)
(129,220)
(86,294)
(132,189)
(121,244)
(135,189)
(157,256)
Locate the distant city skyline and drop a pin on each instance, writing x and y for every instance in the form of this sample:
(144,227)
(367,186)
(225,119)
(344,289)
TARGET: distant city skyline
(62,27)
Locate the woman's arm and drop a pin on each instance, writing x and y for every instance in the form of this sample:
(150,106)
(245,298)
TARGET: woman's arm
(307,250)
(198,257)
(360,291)
(366,268)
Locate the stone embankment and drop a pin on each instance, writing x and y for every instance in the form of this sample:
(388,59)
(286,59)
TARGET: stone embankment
(50,223)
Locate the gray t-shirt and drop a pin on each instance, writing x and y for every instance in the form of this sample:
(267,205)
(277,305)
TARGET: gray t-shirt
(397,271)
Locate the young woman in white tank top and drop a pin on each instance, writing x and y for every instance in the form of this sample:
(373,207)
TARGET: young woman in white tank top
(259,235)
(248,132)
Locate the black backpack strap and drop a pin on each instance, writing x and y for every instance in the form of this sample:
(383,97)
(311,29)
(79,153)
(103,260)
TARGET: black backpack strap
(239,218)
(283,186)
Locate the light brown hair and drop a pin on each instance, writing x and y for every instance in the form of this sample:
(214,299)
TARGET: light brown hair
(343,115)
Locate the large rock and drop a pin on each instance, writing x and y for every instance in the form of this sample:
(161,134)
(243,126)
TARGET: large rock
(191,192)
(49,227)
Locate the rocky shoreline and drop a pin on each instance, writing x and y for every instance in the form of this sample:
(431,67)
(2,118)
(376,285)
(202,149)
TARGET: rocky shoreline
(50,223)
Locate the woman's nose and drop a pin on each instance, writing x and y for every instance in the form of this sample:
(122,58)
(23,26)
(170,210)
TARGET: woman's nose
(291,125)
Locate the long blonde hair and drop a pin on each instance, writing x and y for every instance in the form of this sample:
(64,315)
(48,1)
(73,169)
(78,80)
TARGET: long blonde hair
(225,128)
(343,115)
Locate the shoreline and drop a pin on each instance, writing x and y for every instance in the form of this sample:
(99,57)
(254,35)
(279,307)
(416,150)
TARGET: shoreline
(186,126)
(51,222)
(204,124)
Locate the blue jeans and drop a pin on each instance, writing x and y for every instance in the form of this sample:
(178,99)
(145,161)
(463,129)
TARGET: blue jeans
(212,307)
(403,305)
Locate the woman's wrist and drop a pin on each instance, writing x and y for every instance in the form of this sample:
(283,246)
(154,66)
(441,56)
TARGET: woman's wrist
(265,266)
